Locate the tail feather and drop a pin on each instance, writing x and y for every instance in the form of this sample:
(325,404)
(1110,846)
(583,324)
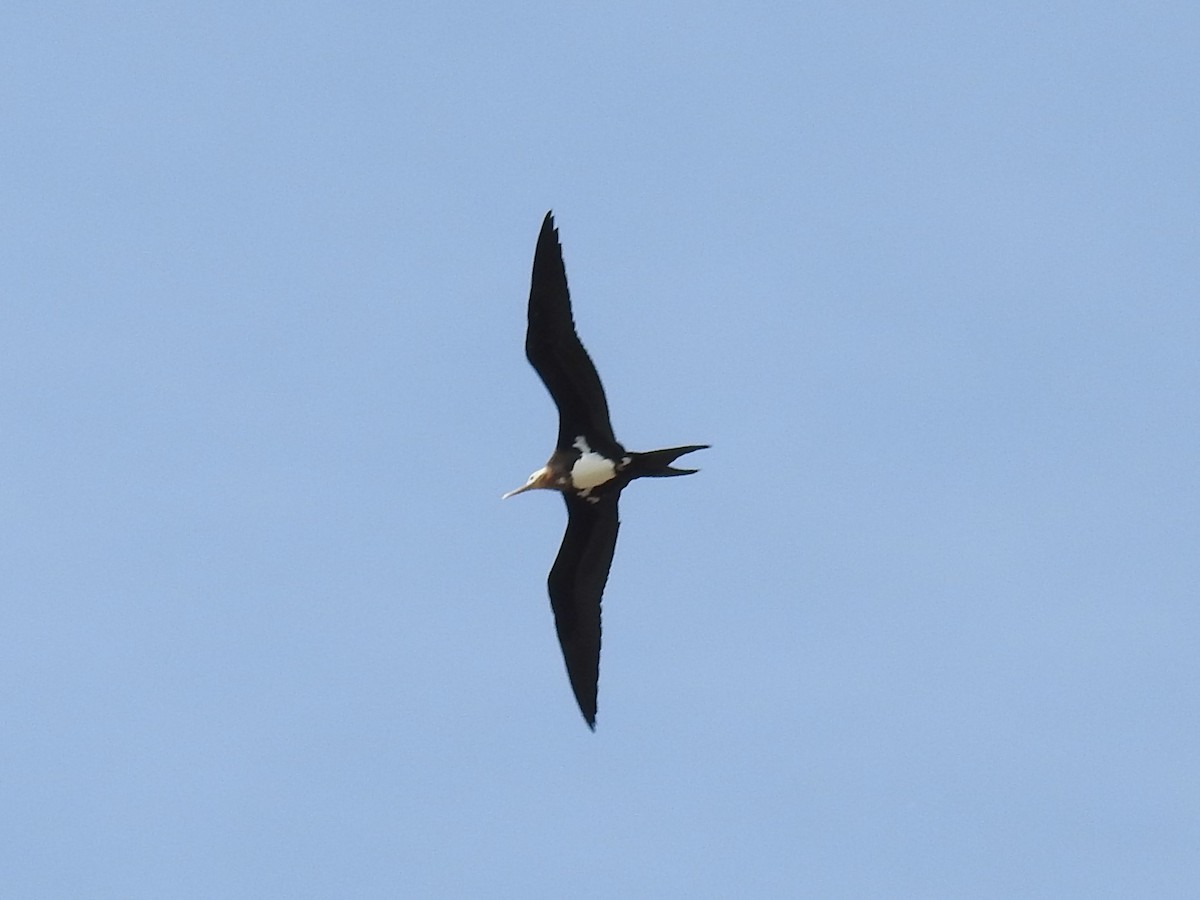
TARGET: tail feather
(657,463)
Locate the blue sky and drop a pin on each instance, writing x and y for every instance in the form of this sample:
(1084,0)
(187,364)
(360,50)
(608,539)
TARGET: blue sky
(924,275)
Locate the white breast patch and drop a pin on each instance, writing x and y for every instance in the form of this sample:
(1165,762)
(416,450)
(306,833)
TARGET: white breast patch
(591,469)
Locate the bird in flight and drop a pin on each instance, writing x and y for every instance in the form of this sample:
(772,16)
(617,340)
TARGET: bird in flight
(588,466)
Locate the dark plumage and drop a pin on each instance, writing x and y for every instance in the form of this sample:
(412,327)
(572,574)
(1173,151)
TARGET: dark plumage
(588,466)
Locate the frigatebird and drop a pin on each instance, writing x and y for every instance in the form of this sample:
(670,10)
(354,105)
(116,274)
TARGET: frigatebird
(589,466)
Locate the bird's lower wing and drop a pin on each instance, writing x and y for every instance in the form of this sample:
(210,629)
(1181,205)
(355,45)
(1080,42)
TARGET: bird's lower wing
(576,584)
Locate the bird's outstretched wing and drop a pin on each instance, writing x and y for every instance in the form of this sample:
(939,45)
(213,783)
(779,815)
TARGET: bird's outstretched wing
(576,584)
(554,349)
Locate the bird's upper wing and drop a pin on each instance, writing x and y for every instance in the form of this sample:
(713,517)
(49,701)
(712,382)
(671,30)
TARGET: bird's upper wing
(554,349)
(576,584)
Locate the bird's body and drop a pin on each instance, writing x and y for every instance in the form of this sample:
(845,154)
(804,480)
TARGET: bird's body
(589,466)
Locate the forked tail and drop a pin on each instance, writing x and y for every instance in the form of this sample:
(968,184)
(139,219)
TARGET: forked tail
(657,463)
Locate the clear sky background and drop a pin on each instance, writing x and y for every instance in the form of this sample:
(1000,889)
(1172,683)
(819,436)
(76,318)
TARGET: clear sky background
(926,276)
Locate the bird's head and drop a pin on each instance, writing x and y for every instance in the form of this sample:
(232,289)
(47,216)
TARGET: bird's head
(542,478)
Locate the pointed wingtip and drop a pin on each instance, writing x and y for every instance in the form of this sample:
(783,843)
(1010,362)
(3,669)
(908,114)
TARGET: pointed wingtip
(589,714)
